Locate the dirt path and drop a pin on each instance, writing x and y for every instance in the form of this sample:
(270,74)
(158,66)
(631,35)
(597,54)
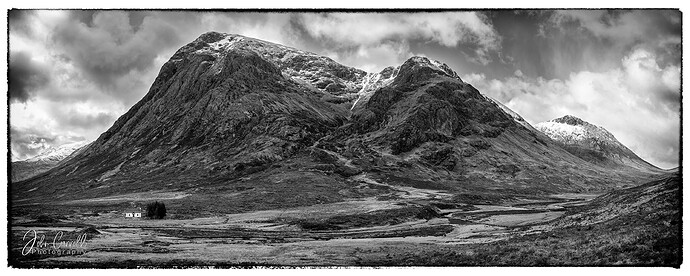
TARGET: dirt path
(405,192)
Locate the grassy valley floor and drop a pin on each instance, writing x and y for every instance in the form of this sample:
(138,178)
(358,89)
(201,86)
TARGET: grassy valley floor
(421,227)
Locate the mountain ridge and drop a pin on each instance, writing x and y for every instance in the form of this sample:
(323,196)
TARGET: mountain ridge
(228,111)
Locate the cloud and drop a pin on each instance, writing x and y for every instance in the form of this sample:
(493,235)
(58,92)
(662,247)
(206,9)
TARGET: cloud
(78,120)
(42,123)
(17,20)
(110,48)
(28,142)
(344,30)
(635,102)
(659,87)
(596,40)
(373,58)
(25,76)
(273,27)
(624,26)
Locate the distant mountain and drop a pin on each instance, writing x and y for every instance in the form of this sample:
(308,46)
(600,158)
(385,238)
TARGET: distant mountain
(44,161)
(592,143)
(228,113)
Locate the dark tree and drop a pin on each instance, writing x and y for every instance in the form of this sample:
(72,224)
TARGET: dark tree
(155,210)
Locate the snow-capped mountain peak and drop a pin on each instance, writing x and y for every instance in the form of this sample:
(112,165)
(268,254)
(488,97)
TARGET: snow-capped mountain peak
(591,142)
(570,129)
(55,154)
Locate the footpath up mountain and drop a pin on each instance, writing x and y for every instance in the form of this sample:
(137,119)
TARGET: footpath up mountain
(230,115)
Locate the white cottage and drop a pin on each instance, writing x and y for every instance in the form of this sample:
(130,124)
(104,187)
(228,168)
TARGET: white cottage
(133,213)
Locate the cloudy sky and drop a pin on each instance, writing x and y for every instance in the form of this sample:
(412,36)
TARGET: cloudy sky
(73,73)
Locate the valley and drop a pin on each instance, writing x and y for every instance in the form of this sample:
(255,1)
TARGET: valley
(348,233)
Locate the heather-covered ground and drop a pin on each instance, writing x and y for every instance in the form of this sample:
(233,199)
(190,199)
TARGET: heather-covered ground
(636,226)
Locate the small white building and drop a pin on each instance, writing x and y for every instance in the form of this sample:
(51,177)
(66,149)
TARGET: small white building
(133,213)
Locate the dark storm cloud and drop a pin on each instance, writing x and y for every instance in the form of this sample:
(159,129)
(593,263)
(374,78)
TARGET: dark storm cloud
(597,40)
(29,142)
(18,21)
(107,47)
(25,76)
(372,41)
(121,51)
(83,16)
(522,46)
(136,18)
(554,44)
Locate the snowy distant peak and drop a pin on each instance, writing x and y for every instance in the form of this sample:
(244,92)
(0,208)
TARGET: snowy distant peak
(562,132)
(570,120)
(571,129)
(54,154)
(590,142)
(45,160)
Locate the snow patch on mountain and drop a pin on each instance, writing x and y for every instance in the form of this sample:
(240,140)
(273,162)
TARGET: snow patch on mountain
(321,73)
(578,134)
(374,81)
(563,132)
(55,154)
(572,130)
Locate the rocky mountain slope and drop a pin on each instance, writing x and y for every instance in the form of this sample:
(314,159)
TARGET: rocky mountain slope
(592,143)
(238,121)
(44,161)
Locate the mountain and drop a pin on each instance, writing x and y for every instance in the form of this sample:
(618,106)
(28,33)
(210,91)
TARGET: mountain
(44,161)
(592,143)
(249,124)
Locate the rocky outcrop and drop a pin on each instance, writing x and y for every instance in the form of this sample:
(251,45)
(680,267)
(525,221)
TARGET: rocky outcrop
(428,102)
